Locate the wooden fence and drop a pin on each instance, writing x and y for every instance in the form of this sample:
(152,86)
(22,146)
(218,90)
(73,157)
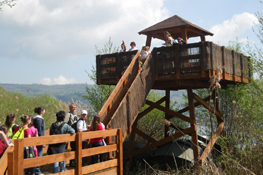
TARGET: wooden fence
(180,59)
(14,161)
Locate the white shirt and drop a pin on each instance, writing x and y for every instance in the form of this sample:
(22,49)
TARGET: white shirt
(132,49)
(82,125)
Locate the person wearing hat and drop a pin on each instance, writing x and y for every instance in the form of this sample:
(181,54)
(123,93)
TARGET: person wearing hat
(82,127)
(133,46)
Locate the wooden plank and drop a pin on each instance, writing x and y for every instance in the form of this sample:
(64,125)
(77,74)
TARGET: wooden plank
(3,163)
(98,150)
(117,90)
(5,159)
(68,172)
(194,135)
(140,133)
(208,106)
(167,105)
(161,142)
(211,143)
(99,166)
(11,161)
(120,153)
(109,171)
(170,112)
(79,153)
(97,134)
(40,161)
(19,156)
(179,128)
(45,140)
(148,40)
(109,142)
(187,108)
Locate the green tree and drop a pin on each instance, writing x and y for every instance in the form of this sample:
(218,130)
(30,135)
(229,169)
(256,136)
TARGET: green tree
(98,94)
(10,3)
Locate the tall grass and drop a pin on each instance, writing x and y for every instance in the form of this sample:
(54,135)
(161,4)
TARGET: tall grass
(19,104)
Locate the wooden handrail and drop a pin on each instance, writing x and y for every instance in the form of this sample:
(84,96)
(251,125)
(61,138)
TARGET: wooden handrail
(119,91)
(4,160)
(19,163)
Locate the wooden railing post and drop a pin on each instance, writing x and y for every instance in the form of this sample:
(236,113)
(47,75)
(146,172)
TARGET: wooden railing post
(79,153)
(120,153)
(10,163)
(19,156)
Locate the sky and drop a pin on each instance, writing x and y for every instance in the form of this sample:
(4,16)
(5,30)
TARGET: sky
(53,42)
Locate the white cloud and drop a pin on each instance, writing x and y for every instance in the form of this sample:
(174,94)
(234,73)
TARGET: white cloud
(60,80)
(230,29)
(66,30)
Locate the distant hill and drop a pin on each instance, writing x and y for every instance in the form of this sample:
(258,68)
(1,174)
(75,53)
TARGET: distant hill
(65,93)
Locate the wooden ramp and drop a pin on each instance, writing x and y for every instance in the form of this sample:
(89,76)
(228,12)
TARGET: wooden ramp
(129,95)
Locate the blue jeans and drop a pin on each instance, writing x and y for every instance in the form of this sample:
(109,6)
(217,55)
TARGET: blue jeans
(95,157)
(40,153)
(62,164)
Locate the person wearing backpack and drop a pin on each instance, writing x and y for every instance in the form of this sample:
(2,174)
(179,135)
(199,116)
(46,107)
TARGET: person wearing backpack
(82,127)
(71,118)
(10,123)
(60,127)
(25,132)
(39,124)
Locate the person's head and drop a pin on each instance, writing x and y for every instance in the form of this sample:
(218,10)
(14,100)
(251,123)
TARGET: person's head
(166,34)
(147,48)
(10,119)
(95,122)
(40,110)
(4,128)
(180,40)
(144,48)
(132,44)
(26,119)
(72,107)
(60,116)
(84,114)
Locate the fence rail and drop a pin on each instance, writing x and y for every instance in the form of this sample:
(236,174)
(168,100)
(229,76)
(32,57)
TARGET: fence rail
(14,161)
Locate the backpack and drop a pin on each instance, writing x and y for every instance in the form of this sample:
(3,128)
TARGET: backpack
(11,130)
(19,134)
(2,147)
(75,125)
(56,131)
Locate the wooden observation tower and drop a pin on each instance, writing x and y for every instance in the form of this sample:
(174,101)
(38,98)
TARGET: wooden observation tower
(188,67)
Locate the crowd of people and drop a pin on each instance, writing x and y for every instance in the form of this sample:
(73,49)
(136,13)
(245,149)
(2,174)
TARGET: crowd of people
(145,51)
(66,123)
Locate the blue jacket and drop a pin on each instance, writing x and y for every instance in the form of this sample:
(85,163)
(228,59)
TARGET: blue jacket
(39,123)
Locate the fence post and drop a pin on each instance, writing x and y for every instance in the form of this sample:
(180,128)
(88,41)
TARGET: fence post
(79,153)
(109,142)
(10,164)
(19,156)
(120,153)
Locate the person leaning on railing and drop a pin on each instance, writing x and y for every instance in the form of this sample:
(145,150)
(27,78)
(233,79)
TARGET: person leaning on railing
(82,127)
(60,127)
(96,126)
(4,140)
(168,39)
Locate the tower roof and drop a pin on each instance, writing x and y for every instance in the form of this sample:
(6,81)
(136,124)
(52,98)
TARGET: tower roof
(175,25)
